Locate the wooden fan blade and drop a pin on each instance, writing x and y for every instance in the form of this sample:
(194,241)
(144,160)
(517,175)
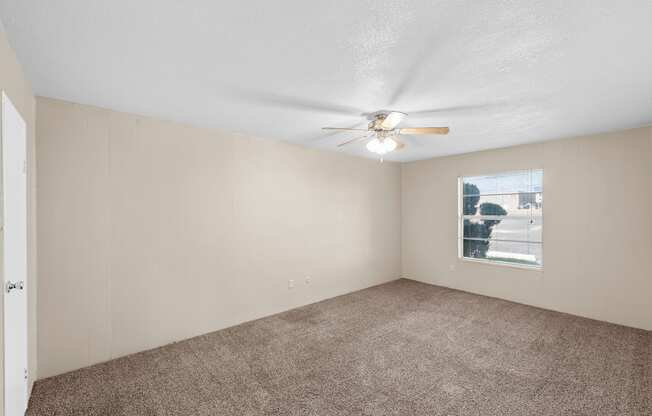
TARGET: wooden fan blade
(399,144)
(343,129)
(424,130)
(352,140)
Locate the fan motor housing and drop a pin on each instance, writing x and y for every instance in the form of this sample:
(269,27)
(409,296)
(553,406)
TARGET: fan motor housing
(375,124)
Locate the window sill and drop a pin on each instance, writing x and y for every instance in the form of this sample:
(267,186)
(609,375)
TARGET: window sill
(503,264)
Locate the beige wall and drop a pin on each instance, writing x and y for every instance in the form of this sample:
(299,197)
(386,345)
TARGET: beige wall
(151,232)
(597,226)
(17,88)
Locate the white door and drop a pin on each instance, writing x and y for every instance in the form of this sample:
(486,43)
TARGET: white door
(14,221)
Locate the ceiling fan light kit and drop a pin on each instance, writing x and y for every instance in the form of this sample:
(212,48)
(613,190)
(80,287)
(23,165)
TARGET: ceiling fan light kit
(382,146)
(384,134)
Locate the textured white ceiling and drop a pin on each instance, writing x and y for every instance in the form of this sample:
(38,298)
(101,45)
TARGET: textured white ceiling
(497,72)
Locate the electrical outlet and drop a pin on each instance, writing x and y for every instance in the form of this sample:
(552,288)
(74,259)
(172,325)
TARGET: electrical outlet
(451,267)
(290,283)
(308,280)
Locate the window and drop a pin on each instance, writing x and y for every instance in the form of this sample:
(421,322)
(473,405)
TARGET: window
(501,218)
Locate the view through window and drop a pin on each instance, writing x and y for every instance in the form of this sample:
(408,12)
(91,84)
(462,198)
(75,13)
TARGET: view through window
(501,217)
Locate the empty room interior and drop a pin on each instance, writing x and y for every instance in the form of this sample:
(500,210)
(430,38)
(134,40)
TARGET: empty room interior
(378,207)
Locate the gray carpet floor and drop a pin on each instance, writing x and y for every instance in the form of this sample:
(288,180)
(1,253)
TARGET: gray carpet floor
(402,348)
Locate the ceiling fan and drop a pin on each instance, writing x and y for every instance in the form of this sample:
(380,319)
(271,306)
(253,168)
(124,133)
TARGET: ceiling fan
(382,132)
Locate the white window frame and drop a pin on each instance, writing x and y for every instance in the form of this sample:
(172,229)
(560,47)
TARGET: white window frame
(460,226)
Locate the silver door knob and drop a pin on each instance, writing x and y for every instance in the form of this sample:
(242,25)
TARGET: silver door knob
(20,285)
